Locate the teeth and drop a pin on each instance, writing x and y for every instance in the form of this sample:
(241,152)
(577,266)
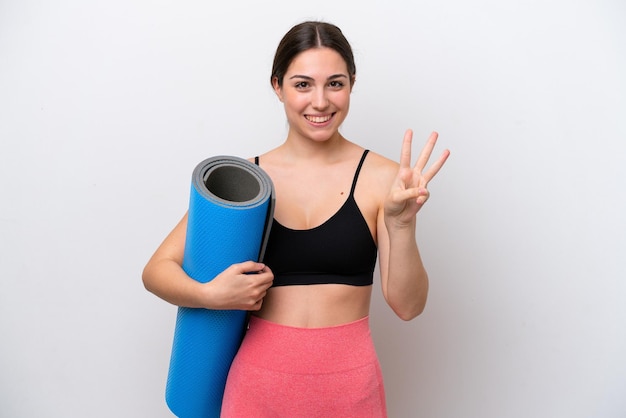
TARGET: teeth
(319,119)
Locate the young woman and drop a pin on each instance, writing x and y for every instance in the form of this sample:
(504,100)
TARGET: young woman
(308,351)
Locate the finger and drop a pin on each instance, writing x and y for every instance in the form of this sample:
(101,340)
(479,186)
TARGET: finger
(426,151)
(264,279)
(410,194)
(405,154)
(257,306)
(434,169)
(422,197)
(249,267)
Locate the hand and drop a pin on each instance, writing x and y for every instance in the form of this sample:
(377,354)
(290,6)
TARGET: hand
(241,286)
(409,191)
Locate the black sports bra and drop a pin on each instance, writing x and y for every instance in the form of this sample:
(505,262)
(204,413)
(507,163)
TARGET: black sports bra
(341,250)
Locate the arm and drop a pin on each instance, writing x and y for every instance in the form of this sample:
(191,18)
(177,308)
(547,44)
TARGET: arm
(234,288)
(404,278)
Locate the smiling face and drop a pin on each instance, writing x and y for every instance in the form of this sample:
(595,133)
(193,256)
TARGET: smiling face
(315,91)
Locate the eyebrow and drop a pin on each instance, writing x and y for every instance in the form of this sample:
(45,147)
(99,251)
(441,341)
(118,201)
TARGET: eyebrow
(306,77)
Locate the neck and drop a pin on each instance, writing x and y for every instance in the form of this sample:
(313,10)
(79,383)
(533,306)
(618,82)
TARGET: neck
(296,146)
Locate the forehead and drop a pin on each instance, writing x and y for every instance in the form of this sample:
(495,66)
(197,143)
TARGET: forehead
(318,61)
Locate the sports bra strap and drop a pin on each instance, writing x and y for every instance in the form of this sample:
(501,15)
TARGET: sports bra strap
(358,170)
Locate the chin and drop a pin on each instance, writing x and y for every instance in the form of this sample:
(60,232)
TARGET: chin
(323,137)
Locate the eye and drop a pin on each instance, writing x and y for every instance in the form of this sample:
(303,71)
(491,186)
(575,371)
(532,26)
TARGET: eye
(302,85)
(336,84)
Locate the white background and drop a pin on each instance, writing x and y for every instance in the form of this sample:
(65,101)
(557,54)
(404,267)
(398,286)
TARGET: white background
(107,106)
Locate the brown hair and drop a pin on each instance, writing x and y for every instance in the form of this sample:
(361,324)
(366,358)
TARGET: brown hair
(308,35)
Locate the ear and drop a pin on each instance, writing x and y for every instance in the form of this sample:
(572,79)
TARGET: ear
(277,88)
(352,81)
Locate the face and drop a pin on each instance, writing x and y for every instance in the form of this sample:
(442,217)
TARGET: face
(316,94)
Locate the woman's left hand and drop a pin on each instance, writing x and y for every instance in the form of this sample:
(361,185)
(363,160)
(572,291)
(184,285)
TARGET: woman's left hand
(409,191)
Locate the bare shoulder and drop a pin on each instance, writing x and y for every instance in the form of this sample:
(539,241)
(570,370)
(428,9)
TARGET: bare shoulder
(375,180)
(260,157)
(270,157)
(379,171)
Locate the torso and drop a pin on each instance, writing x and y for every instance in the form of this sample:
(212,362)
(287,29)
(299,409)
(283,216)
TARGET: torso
(306,199)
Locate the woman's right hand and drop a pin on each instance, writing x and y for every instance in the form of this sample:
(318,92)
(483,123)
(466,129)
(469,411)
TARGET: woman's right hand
(241,286)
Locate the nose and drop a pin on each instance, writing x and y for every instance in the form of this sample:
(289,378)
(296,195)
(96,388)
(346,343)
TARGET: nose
(319,100)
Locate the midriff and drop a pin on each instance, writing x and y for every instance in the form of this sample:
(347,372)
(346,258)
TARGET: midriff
(315,306)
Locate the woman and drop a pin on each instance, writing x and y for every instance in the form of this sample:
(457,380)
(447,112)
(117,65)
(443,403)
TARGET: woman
(308,350)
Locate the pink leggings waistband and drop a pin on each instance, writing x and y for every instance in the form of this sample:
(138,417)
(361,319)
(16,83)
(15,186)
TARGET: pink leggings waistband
(296,350)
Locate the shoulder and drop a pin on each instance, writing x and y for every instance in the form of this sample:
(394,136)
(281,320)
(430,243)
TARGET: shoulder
(265,160)
(379,169)
(375,180)
(271,157)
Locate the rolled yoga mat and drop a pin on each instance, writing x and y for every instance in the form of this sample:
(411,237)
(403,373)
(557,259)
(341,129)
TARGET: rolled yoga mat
(230,212)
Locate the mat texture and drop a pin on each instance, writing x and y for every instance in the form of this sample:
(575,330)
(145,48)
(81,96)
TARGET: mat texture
(230,212)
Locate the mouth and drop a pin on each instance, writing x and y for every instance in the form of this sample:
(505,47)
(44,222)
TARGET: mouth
(319,119)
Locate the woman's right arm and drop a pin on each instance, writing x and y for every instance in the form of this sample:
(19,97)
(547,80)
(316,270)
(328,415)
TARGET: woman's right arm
(234,288)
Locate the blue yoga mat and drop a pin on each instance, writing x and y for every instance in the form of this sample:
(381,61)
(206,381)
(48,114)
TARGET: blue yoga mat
(230,212)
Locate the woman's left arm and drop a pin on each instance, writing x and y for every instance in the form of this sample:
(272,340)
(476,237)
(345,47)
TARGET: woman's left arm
(404,278)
